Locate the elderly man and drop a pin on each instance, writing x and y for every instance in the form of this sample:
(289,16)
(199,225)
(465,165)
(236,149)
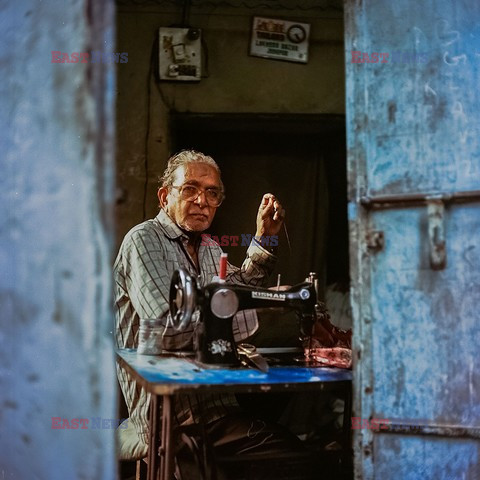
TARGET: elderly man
(190,192)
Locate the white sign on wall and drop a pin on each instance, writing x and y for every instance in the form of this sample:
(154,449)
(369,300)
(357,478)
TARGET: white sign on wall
(280,39)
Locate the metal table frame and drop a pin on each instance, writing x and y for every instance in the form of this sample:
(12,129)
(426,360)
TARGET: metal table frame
(167,375)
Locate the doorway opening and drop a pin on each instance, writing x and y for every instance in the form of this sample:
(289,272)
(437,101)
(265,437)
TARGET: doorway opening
(301,158)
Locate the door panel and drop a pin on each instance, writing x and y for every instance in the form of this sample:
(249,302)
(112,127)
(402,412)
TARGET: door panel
(420,110)
(414,216)
(425,323)
(420,458)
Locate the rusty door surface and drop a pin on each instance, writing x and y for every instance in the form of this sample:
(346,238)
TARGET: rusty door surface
(413,124)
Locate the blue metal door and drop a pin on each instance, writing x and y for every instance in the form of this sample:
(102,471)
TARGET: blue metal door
(413,125)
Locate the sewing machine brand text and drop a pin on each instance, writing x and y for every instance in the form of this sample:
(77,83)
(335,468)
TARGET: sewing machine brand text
(270,296)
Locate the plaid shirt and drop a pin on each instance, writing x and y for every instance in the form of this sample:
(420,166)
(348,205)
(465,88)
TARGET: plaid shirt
(148,256)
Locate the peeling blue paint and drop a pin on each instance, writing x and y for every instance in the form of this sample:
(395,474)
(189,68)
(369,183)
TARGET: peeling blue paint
(413,128)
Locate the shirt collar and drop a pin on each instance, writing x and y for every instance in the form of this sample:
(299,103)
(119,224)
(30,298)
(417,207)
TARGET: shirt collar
(171,229)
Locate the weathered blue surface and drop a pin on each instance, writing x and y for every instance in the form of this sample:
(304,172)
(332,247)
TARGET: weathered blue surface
(412,127)
(421,458)
(425,323)
(181,372)
(56,202)
(421,115)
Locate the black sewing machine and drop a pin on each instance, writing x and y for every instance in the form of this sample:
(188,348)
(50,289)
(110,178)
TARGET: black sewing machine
(218,302)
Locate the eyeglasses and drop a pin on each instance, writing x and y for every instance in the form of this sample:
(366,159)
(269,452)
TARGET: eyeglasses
(190,193)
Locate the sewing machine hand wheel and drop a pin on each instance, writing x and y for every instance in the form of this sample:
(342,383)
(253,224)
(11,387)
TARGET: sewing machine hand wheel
(183,296)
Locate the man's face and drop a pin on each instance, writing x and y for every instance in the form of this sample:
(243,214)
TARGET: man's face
(192,216)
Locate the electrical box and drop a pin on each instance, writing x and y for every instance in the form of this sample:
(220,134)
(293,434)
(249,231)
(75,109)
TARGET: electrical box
(180,54)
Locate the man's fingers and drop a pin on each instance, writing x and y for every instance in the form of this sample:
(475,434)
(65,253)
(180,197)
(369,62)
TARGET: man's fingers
(279,215)
(268,199)
(279,211)
(270,207)
(267,204)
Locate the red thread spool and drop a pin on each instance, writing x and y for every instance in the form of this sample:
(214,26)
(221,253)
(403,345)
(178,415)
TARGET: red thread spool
(223,266)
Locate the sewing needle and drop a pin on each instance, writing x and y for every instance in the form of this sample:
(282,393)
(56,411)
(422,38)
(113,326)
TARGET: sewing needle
(275,210)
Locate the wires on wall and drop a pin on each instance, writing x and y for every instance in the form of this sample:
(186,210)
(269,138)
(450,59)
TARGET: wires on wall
(151,76)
